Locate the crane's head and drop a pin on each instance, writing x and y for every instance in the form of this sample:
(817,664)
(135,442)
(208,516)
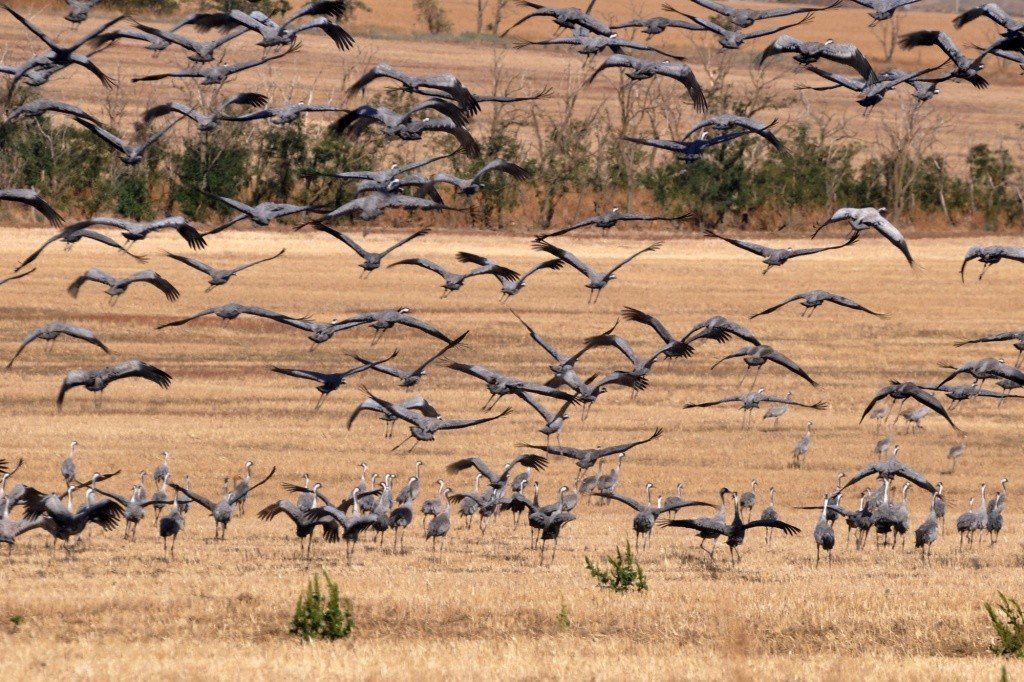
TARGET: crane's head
(142,476)
(316,487)
(404,311)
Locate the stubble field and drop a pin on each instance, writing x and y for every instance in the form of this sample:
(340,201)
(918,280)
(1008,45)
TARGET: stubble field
(486,606)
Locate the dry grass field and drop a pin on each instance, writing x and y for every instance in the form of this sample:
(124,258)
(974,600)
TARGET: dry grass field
(485,607)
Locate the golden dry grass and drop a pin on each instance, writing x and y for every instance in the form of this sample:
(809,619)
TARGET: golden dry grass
(486,607)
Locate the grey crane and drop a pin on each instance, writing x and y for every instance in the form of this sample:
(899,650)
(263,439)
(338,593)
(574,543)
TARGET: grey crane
(232,311)
(965,68)
(647,514)
(410,378)
(273,34)
(1016,336)
(59,55)
(903,391)
(163,470)
(351,526)
(380,179)
(96,380)
(993,12)
(769,514)
(51,331)
(199,51)
(441,523)
(812,300)
(379,320)
(939,505)
(207,122)
(595,44)
(654,25)
(261,214)
(285,114)
(11,529)
(985,369)
(735,532)
(371,260)
(31,198)
(803,446)
(431,86)
(411,491)
(134,508)
(172,524)
(994,516)
(773,257)
(889,468)
(422,427)
(597,281)
(38,107)
(328,382)
(584,458)
(78,10)
(749,499)
(824,536)
(606,221)
(726,122)
(500,385)
(718,328)
(116,286)
(643,69)
(401,124)
(454,281)
(861,219)
(731,39)
(891,518)
(965,524)
(745,18)
(67,467)
(752,401)
(710,527)
(417,403)
(215,75)
(873,92)
(133,231)
(566,17)
(810,52)
(403,127)
(928,532)
(67,522)
(553,524)
(758,356)
(72,237)
(990,255)
(154,43)
(913,418)
(372,205)
(882,10)
(637,374)
(305,522)
(562,362)
(223,510)
(474,184)
(553,421)
(219,276)
(434,506)
(512,287)
(499,481)
(779,408)
(132,154)
(688,150)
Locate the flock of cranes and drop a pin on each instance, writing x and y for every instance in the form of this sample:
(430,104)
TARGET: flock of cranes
(446,106)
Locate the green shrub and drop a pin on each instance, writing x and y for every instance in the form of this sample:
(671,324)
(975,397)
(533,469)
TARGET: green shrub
(1008,621)
(625,573)
(218,164)
(320,617)
(433,15)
